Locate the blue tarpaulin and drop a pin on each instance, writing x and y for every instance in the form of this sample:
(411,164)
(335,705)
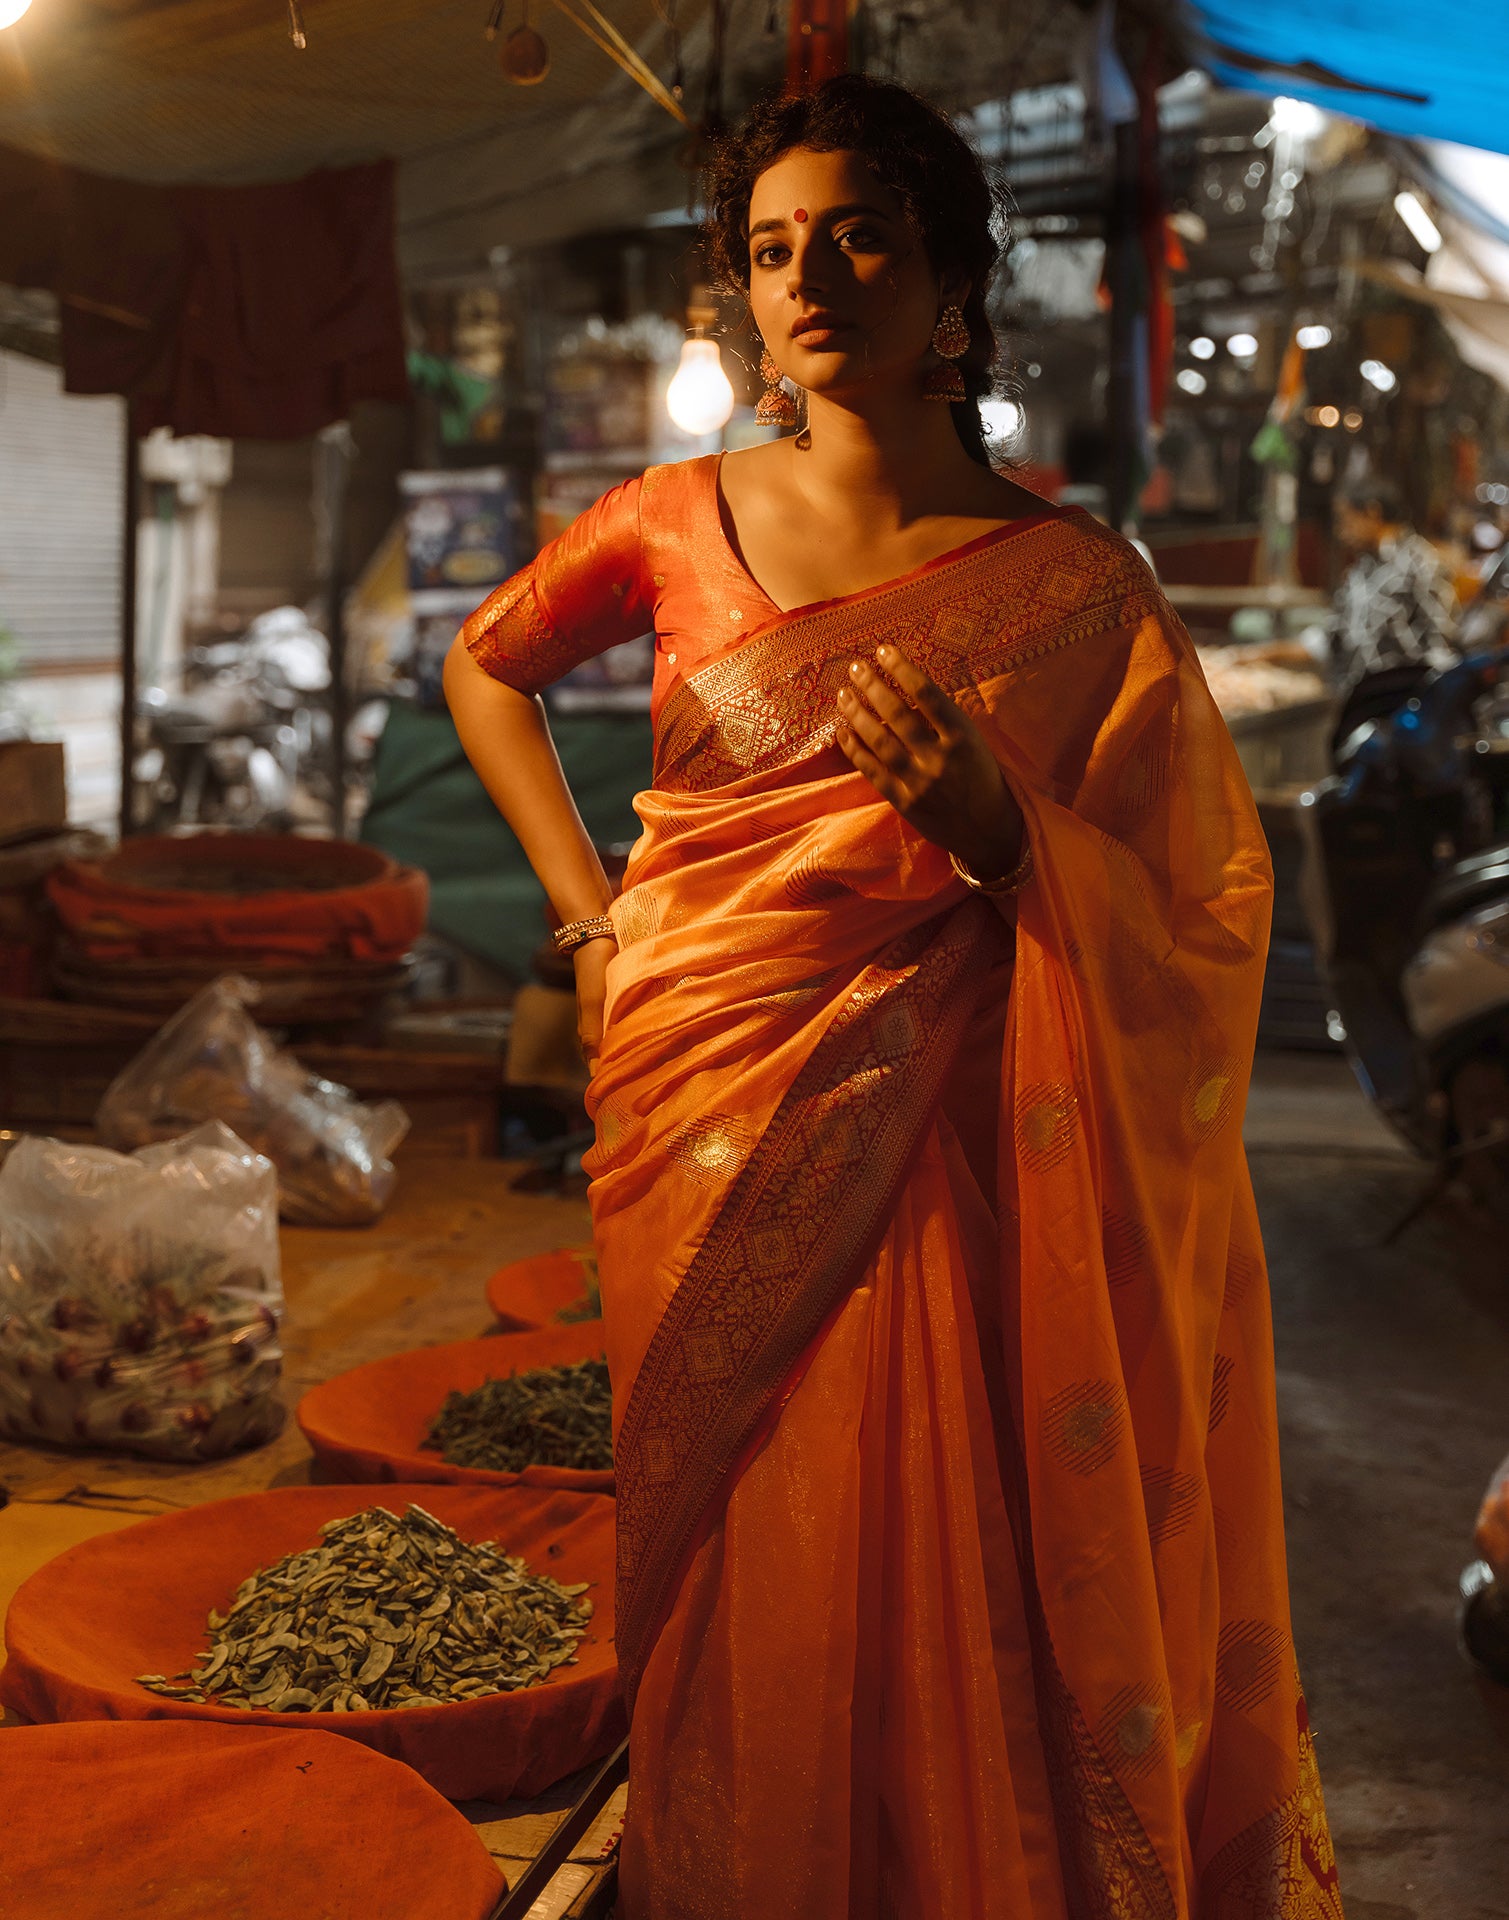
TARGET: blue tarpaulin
(1426,71)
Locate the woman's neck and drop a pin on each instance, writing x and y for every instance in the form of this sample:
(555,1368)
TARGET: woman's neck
(897,461)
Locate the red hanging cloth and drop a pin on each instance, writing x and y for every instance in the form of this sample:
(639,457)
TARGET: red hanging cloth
(261,311)
(817,43)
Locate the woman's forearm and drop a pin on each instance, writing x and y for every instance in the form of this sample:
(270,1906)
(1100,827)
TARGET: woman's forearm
(507,741)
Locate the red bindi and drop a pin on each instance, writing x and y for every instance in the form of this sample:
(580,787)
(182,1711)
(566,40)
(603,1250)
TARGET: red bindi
(800,214)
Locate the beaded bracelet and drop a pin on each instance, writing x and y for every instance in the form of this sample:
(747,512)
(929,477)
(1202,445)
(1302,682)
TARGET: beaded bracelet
(1012,882)
(576,933)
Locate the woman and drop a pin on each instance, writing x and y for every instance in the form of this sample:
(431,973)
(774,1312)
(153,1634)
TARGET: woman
(951,1575)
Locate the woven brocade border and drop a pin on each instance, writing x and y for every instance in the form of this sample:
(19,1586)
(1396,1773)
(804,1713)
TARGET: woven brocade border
(799,1220)
(770,703)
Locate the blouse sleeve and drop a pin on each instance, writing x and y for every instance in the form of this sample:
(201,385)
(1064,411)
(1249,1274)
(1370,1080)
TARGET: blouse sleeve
(579,596)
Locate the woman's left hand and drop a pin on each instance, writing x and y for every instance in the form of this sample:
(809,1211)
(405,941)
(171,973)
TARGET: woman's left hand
(921,751)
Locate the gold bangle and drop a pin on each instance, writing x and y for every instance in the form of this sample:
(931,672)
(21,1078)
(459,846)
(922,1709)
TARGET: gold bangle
(576,933)
(1012,882)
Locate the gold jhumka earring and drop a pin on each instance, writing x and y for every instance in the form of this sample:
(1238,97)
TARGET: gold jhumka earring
(950,341)
(776,407)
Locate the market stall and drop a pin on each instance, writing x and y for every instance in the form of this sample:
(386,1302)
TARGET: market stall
(221,1435)
(418,1276)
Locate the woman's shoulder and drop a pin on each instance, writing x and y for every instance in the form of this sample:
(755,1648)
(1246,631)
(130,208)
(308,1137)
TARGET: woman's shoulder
(677,480)
(1106,561)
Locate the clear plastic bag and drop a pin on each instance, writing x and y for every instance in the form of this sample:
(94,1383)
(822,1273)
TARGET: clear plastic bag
(140,1297)
(213,1062)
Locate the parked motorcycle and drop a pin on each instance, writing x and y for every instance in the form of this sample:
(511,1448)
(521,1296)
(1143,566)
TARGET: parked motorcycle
(1406,886)
(246,739)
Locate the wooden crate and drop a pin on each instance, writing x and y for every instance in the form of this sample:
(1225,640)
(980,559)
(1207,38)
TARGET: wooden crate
(1287,749)
(33,788)
(57,1059)
(452,1099)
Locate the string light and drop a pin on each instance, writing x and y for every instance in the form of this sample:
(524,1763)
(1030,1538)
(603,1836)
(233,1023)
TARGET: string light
(1203,347)
(1412,212)
(1311,338)
(11,11)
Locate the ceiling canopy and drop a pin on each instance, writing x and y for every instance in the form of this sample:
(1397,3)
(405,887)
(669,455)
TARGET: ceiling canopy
(1439,71)
(214,92)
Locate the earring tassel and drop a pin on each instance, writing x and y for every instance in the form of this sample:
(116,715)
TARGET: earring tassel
(944,383)
(776,409)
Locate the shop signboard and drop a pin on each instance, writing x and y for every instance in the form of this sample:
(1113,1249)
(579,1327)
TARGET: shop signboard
(466,531)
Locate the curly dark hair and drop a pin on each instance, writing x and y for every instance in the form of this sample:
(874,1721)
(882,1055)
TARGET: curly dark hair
(957,211)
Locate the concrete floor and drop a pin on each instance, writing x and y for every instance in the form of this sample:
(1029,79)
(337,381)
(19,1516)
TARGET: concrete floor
(1394,1408)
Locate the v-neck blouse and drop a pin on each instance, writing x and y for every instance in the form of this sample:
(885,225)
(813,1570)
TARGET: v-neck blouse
(652,554)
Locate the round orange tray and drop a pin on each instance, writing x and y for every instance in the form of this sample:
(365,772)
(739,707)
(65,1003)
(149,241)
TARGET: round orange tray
(83,1627)
(368,1424)
(116,1820)
(535,1292)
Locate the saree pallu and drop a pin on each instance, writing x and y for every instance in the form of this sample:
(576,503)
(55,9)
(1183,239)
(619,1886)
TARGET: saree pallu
(951,1567)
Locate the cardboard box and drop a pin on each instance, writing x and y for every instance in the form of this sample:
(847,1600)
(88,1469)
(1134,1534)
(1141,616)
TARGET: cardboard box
(33,789)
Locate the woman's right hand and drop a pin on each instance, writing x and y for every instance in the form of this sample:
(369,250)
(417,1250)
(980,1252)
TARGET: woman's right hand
(591,962)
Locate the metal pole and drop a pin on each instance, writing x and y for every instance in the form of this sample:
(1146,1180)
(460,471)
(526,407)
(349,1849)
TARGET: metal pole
(335,475)
(521,1897)
(1121,391)
(130,513)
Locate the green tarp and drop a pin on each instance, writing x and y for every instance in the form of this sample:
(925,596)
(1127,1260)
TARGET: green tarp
(430,810)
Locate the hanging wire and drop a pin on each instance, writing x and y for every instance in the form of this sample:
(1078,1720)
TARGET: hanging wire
(494,20)
(712,93)
(602,32)
(665,11)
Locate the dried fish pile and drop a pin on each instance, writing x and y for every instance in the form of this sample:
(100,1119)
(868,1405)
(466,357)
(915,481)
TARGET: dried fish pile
(385,1612)
(549,1417)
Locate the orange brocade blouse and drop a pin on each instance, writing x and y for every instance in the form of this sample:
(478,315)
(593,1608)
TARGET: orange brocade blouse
(950,1549)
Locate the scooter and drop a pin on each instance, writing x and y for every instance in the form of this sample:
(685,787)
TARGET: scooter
(244,737)
(1406,886)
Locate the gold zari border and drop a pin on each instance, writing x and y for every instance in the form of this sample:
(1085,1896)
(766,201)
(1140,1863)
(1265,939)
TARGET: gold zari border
(770,703)
(1283,1867)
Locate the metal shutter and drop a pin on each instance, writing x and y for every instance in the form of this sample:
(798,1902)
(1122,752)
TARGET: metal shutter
(61,459)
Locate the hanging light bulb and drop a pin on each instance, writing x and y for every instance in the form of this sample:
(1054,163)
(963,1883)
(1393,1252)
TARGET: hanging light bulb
(700,398)
(1299,119)
(11,11)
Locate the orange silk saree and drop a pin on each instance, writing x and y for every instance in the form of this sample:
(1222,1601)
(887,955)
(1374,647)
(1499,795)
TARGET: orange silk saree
(951,1566)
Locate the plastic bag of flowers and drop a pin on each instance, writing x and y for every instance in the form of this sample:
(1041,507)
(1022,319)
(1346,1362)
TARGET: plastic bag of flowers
(140,1296)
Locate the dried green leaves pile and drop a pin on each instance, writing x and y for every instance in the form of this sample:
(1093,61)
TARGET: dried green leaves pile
(550,1417)
(383,1613)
